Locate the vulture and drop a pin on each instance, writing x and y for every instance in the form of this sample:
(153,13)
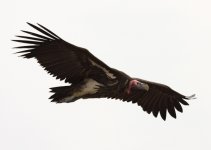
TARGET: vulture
(89,77)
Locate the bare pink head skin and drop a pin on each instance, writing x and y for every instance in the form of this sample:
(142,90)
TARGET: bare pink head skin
(132,83)
(136,84)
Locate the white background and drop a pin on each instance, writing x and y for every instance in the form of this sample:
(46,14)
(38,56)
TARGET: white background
(159,40)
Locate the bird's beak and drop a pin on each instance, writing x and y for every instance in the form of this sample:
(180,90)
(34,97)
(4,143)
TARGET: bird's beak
(142,86)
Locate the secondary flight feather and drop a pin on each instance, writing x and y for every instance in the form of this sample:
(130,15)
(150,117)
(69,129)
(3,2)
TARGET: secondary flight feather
(89,77)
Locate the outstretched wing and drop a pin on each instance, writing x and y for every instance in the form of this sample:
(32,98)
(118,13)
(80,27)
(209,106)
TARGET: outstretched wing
(61,59)
(159,98)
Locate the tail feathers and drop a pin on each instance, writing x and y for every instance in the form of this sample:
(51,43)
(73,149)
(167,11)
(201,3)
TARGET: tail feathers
(60,94)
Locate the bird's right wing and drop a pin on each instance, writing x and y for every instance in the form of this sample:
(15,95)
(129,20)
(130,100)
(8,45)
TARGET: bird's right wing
(60,58)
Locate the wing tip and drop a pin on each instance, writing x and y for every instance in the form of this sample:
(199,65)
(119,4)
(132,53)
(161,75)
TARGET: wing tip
(29,23)
(46,33)
(193,96)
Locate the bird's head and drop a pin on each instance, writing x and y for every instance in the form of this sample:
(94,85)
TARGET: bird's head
(136,85)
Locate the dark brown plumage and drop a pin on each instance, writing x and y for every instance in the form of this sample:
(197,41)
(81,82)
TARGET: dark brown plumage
(91,78)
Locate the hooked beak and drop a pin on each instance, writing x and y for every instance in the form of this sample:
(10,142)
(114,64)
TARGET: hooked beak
(142,86)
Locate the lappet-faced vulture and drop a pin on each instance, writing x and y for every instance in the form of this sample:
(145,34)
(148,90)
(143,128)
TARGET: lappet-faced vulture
(89,77)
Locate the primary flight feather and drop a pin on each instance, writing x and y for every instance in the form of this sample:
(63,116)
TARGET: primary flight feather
(89,77)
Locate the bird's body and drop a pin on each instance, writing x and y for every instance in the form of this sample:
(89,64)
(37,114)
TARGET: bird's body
(94,86)
(89,77)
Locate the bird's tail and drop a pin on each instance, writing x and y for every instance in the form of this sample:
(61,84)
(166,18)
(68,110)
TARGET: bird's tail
(61,94)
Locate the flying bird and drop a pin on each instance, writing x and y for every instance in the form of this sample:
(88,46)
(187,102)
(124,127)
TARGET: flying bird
(89,77)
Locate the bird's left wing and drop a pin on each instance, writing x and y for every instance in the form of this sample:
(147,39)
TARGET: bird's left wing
(60,58)
(158,99)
